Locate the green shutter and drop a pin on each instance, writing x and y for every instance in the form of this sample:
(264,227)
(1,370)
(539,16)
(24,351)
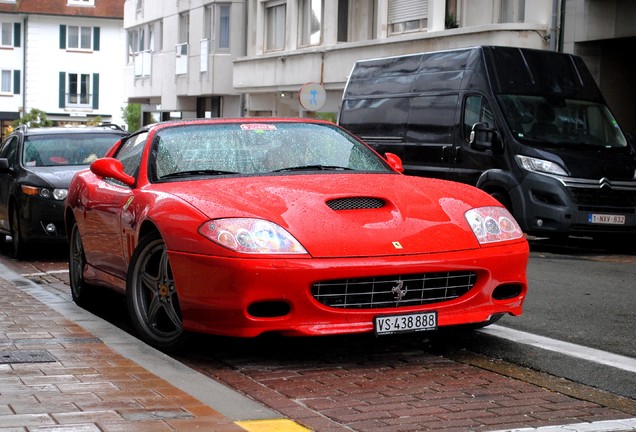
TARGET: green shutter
(16,82)
(95,38)
(17,35)
(95,91)
(62,36)
(62,94)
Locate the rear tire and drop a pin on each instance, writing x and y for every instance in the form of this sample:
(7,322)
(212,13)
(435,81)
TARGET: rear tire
(81,291)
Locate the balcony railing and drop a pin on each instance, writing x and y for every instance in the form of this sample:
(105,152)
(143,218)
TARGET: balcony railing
(204,55)
(143,63)
(181,59)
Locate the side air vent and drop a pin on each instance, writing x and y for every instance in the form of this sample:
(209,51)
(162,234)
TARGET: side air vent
(355,203)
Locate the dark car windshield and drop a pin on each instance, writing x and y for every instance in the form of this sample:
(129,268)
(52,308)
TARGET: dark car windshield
(66,149)
(541,121)
(259,148)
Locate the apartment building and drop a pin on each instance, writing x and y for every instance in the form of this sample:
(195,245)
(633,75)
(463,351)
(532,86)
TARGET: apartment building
(63,57)
(180,56)
(202,58)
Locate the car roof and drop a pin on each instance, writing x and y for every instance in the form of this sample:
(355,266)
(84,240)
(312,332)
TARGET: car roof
(61,130)
(226,120)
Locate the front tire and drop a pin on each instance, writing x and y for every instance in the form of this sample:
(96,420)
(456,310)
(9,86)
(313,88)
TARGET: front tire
(18,244)
(153,303)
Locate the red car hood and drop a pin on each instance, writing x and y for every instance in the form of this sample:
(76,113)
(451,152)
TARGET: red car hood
(418,216)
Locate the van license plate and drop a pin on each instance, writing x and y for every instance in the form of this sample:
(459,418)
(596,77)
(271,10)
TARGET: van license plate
(392,324)
(608,219)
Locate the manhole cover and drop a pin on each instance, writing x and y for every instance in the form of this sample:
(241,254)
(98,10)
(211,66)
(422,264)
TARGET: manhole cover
(7,357)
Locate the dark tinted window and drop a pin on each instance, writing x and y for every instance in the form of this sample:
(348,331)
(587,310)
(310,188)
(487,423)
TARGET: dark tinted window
(130,153)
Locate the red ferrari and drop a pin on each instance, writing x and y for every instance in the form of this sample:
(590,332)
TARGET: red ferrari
(244,226)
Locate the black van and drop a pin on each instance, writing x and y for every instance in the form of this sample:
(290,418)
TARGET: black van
(528,126)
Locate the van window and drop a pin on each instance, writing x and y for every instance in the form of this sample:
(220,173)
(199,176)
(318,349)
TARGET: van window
(476,110)
(540,120)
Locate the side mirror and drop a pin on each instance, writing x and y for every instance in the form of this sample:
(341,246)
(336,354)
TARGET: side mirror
(111,168)
(394,161)
(483,137)
(4,165)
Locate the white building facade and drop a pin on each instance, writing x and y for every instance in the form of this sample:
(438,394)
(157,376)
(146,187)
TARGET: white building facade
(63,57)
(274,48)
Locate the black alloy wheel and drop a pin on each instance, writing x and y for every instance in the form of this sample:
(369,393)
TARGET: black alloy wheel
(80,290)
(153,303)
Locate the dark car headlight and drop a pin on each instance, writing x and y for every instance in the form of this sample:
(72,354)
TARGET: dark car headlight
(57,194)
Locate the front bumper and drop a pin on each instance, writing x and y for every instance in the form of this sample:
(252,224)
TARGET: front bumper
(551,206)
(42,220)
(220,295)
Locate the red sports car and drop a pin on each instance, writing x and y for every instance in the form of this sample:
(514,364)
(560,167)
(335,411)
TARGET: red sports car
(244,226)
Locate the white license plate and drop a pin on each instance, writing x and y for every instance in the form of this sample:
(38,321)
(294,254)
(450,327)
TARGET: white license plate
(391,324)
(608,219)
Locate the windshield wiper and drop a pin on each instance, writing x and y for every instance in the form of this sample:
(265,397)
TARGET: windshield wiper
(315,168)
(202,172)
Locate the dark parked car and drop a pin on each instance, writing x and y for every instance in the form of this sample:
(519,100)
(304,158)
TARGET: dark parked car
(36,167)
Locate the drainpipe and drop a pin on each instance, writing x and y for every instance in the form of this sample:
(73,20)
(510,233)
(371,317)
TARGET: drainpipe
(25,22)
(553,25)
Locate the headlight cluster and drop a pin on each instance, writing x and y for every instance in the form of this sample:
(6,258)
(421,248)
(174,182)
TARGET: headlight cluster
(493,224)
(251,236)
(47,193)
(540,165)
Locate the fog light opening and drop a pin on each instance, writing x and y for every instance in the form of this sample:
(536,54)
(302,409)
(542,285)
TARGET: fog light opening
(506,291)
(269,309)
(50,228)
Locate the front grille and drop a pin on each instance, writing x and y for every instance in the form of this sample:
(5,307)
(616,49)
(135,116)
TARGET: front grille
(604,197)
(355,203)
(393,291)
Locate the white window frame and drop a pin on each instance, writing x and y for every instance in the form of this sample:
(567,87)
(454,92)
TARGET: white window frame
(223,27)
(9,33)
(307,10)
(80,40)
(512,11)
(81,3)
(74,96)
(6,81)
(217,27)
(275,25)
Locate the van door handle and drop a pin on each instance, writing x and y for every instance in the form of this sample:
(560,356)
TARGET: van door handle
(446,153)
(450,154)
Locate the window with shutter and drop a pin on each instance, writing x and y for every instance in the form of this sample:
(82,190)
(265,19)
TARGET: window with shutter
(407,16)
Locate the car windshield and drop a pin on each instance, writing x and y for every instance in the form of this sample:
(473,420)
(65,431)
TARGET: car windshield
(542,121)
(258,148)
(66,149)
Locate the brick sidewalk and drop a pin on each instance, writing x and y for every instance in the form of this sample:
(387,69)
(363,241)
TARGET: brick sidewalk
(55,376)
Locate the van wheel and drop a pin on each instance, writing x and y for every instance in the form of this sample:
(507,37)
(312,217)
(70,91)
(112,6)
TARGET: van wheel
(503,198)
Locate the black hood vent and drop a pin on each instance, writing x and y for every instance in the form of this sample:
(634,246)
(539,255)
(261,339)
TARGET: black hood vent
(355,203)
